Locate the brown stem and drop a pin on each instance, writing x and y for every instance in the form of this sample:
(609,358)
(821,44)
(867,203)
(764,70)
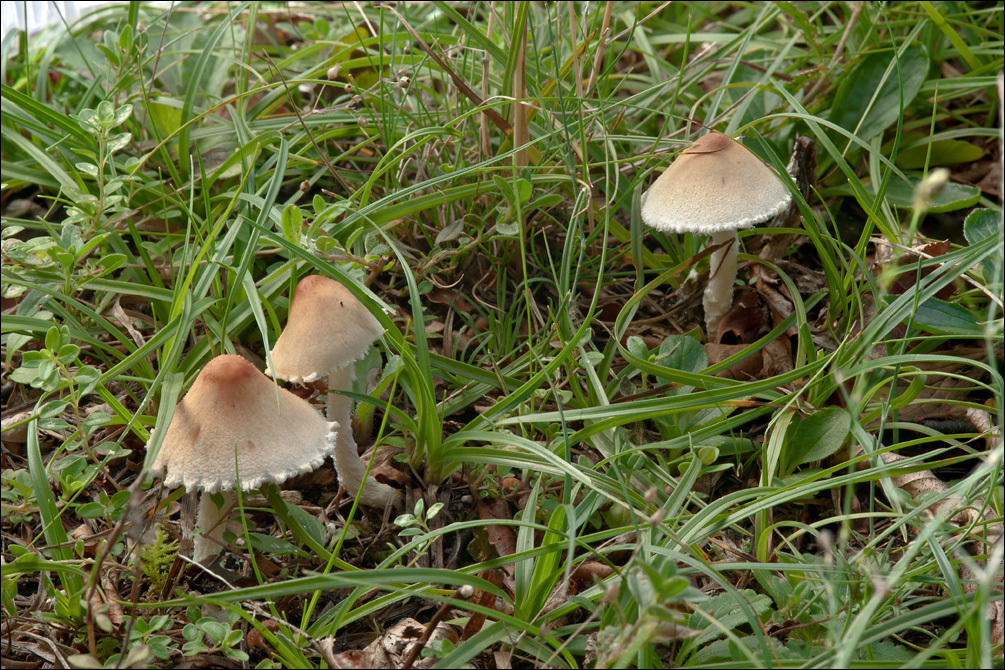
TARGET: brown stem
(413,653)
(462,86)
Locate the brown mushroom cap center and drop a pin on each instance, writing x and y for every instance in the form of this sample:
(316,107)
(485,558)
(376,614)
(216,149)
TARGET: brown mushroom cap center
(709,144)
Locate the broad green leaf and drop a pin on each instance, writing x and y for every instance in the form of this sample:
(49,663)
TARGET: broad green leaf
(308,522)
(728,612)
(952,197)
(979,225)
(938,316)
(681,352)
(900,193)
(817,436)
(854,107)
(272,545)
(946,151)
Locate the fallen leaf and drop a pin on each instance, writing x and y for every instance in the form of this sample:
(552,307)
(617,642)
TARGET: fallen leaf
(501,537)
(744,370)
(745,321)
(591,571)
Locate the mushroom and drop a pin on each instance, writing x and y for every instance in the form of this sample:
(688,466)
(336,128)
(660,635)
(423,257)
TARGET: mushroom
(328,330)
(232,408)
(715,187)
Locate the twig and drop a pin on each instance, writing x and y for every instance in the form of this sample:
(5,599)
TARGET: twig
(462,86)
(605,26)
(324,157)
(521,132)
(856,9)
(463,592)
(639,23)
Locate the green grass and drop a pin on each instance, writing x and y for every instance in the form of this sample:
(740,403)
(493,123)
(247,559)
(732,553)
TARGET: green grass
(168,177)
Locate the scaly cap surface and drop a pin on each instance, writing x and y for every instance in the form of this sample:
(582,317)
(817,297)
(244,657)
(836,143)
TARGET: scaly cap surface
(328,329)
(715,185)
(232,406)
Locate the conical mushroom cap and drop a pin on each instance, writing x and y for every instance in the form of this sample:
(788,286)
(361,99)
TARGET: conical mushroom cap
(328,329)
(715,185)
(232,406)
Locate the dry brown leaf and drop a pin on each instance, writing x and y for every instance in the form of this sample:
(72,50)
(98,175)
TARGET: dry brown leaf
(501,537)
(390,649)
(447,296)
(372,656)
(745,370)
(776,357)
(745,321)
(925,482)
(591,571)
(383,470)
(17,435)
(906,265)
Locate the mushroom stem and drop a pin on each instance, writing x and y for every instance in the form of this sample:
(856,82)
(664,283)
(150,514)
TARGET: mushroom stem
(721,275)
(351,469)
(211,521)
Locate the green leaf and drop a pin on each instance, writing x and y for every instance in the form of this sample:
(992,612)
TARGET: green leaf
(507,229)
(505,189)
(53,338)
(681,352)
(941,317)
(272,545)
(121,114)
(91,510)
(854,107)
(979,225)
(952,197)
(817,436)
(946,151)
(118,142)
(728,611)
(292,220)
(900,193)
(87,168)
(522,190)
(310,523)
(110,263)
(217,630)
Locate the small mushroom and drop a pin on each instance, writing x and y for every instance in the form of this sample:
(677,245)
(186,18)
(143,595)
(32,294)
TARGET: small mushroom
(231,412)
(328,330)
(715,187)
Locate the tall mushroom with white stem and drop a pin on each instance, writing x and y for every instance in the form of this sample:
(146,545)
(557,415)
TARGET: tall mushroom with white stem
(233,410)
(715,187)
(328,330)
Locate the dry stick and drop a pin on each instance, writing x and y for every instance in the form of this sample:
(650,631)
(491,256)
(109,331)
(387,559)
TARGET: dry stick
(324,157)
(160,45)
(483,123)
(575,51)
(639,23)
(462,86)
(605,26)
(856,9)
(106,550)
(463,592)
(521,133)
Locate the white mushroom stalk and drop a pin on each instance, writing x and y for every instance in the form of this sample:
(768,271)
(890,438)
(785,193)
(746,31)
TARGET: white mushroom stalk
(212,521)
(718,297)
(715,187)
(328,330)
(351,469)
